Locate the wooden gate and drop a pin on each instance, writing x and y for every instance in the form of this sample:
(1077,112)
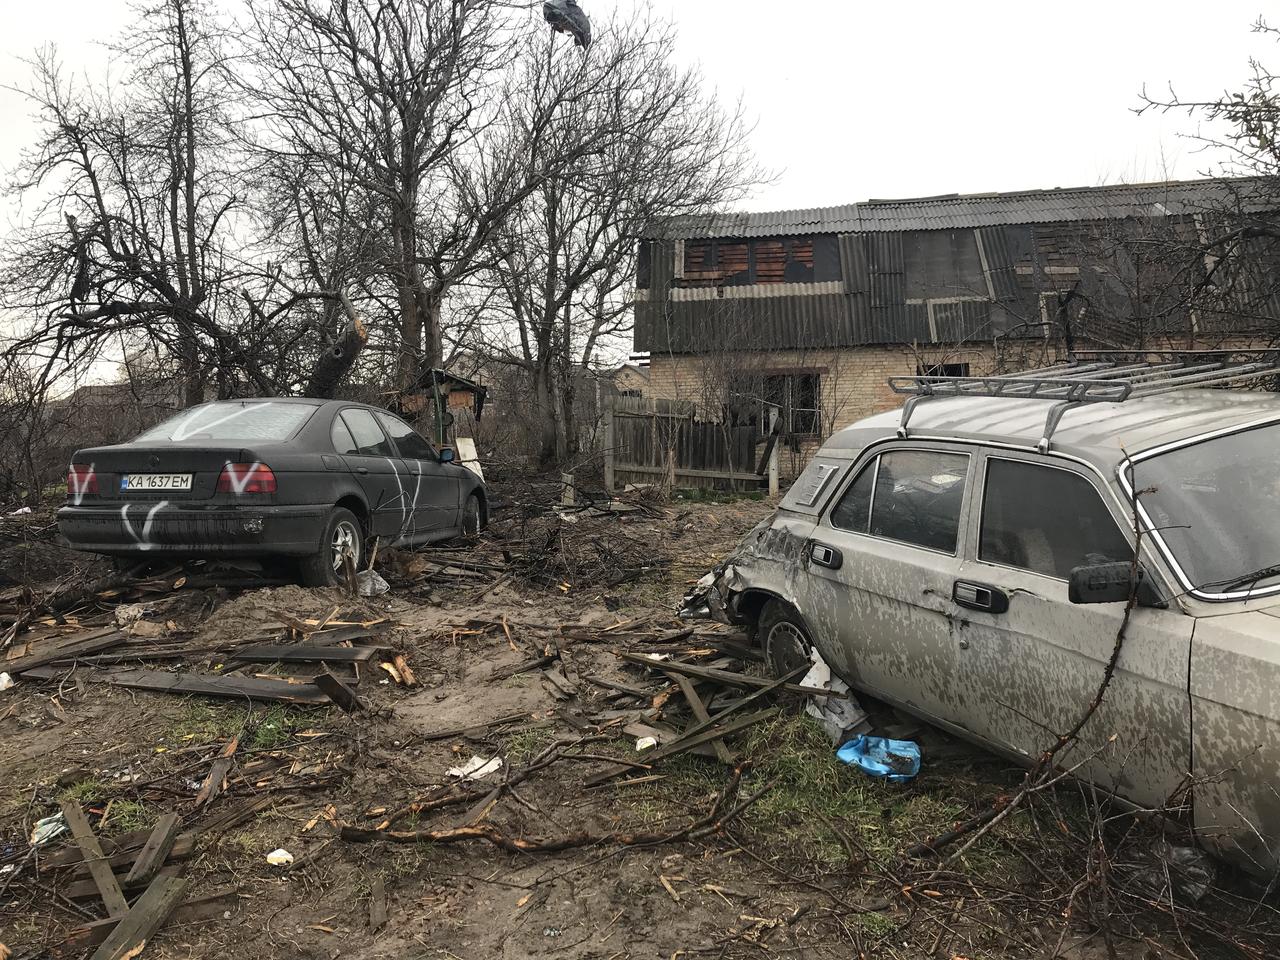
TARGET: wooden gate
(663,442)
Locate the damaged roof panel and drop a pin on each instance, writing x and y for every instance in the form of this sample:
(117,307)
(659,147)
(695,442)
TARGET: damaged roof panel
(1173,198)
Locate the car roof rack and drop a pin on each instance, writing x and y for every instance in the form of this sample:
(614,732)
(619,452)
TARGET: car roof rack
(1097,376)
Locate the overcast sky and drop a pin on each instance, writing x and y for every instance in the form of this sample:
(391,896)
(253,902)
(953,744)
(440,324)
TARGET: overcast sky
(855,100)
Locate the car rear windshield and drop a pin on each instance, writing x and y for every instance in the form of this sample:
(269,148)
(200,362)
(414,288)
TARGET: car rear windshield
(233,420)
(1213,504)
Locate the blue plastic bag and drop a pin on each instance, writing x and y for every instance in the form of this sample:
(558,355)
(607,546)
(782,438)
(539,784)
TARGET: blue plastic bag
(895,760)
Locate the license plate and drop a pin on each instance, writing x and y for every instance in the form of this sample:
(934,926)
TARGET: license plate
(155,481)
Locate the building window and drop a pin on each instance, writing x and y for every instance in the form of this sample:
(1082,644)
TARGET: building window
(718,263)
(942,370)
(796,395)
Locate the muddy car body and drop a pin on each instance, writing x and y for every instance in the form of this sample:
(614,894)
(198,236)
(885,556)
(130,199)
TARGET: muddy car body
(937,571)
(306,479)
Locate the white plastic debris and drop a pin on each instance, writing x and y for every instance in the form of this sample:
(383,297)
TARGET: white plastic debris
(48,829)
(6,682)
(370,584)
(646,743)
(841,717)
(477,768)
(280,858)
(19,512)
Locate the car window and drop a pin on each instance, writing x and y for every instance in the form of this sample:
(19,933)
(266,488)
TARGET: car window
(406,438)
(914,496)
(369,438)
(260,420)
(343,442)
(853,512)
(1046,520)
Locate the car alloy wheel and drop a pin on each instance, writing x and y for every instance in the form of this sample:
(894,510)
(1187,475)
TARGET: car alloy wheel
(346,541)
(471,517)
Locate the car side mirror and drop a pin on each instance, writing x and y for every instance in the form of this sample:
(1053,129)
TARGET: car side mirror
(1112,583)
(447,455)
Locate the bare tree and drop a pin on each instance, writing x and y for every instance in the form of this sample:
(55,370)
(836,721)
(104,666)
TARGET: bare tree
(644,142)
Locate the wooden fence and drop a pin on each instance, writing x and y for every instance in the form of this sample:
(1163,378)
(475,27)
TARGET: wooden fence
(663,442)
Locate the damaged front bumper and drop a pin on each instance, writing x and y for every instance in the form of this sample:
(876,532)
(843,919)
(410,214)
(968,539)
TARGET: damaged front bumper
(716,596)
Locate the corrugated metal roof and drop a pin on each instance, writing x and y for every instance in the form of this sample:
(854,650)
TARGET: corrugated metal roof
(1170,198)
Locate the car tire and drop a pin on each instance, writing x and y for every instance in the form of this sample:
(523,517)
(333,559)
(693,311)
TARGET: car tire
(784,637)
(472,517)
(342,531)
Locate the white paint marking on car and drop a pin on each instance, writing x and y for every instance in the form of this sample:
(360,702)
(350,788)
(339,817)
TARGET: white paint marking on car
(187,429)
(406,514)
(79,485)
(143,541)
(240,481)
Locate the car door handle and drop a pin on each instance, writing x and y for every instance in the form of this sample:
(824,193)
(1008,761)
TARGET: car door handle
(825,556)
(980,596)
(362,469)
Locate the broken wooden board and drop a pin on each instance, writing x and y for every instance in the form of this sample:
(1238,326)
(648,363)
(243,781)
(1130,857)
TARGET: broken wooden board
(727,677)
(216,781)
(306,653)
(477,728)
(155,851)
(120,854)
(144,918)
(702,716)
(377,903)
(103,879)
(339,693)
(91,641)
(89,935)
(209,685)
(686,742)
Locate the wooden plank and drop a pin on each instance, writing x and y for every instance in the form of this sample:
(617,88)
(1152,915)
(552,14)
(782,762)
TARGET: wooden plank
(91,642)
(299,653)
(99,869)
(701,715)
(121,853)
(155,851)
(377,903)
(209,685)
(89,935)
(339,692)
(216,781)
(686,742)
(147,916)
(727,677)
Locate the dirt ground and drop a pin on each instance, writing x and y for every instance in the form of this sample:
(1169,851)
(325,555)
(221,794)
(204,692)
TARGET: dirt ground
(814,866)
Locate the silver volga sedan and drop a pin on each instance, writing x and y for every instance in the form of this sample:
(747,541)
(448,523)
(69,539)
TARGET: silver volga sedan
(974,565)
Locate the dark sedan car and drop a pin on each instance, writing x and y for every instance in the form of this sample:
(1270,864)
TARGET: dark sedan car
(308,479)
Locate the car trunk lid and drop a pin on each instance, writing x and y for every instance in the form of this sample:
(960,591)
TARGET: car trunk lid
(162,461)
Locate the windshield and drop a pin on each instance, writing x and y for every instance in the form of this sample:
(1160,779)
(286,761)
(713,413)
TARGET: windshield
(237,420)
(1213,505)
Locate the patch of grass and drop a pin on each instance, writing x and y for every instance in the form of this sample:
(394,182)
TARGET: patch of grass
(85,791)
(524,746)
(817,804)
(125,816)
(258,728)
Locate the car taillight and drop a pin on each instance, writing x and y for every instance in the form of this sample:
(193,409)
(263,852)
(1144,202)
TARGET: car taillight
(81,480)
(241,478)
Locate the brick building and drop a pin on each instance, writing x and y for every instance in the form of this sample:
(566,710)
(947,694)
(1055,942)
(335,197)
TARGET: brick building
(812,310)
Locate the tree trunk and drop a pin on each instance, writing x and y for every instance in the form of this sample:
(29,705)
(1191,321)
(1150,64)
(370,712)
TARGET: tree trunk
(336,362)
(544,398)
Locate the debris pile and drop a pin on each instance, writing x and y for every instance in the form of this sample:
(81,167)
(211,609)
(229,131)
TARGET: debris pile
(115,632)
(564,547)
